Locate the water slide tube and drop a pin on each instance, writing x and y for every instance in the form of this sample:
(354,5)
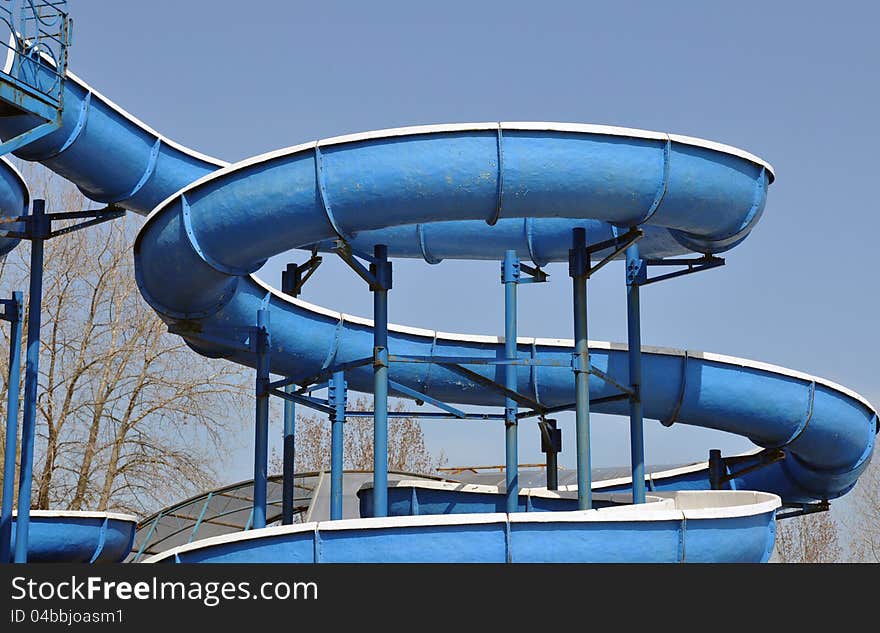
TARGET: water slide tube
(14,200)
(428,192)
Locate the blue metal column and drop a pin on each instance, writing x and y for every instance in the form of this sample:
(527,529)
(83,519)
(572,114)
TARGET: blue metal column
(39,229)
(14,314)
(578,269)
(509,277)
(261,419)
(288,459)
(635,273)
(381,269)
(337,397)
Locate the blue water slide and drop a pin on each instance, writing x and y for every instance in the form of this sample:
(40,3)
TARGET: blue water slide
(457,191)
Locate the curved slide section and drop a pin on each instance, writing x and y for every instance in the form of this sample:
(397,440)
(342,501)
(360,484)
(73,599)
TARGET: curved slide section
(198,249)
(78,537)
(730,526)
(14,200)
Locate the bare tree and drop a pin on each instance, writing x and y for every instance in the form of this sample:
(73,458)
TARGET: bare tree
(407,450)
(129,418)
(812,538)
(865,515)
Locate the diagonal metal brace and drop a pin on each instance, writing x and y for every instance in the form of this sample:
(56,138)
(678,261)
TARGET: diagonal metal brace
(295,276)
(693,265)
(619,245)
(491,384)
(720,468)
(412,393)
(40,226)
(350,257)
(536,275)
(576,365)
(608,379)
(312,403)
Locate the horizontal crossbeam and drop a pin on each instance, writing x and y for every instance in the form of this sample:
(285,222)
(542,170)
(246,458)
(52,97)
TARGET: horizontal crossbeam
(571,405)
(790,510)
(40,227)
(478,360)
(428,415)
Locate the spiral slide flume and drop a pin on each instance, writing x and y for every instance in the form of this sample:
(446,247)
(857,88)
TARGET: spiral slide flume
(428,192)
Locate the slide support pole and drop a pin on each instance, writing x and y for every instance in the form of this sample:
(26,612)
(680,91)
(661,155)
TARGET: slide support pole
(13,314)
(288,459)
(551,445)
(261,425)
(381,270)
(510,272)
(578,270)
(634,273)
(40,226)
(337,397)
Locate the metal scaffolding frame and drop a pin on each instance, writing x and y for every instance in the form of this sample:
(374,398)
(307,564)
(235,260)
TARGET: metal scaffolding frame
(376,271)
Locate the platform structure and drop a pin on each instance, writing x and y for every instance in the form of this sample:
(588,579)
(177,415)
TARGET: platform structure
(34,37)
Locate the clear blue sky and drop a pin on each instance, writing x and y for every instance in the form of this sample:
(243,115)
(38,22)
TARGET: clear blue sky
(793,82)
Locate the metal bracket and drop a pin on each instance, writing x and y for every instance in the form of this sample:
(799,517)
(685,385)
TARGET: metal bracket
(579,258)
(551,437)
(39,225)
(336,395)
(619,244)
(536,275)
(693,265)
(378,276)
(295,276)
(720,471)
(802,509)
(13,310)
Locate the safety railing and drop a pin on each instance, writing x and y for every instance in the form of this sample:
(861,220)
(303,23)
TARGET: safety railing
(34,67)
(34,35)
